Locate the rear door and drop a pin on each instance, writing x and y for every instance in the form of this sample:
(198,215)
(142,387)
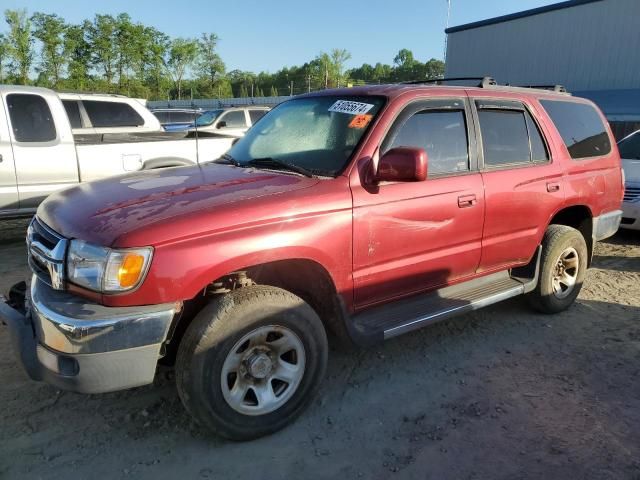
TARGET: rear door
(43,148)
(415,236)
(523,184)
(8,187)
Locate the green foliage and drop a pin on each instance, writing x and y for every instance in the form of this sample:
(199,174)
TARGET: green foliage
(20,44)
(114,54)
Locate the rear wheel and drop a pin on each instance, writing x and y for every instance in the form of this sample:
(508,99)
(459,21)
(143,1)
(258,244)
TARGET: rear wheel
(562,268)
(251,361)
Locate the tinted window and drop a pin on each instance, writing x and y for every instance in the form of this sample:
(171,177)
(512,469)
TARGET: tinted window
(630,147)
(504,137)
(31,118)
(234,119)
(163,117)
(256,115)
(580,126)
(73,112)
(443,135)
(538,149)
(184,117)
(112,114)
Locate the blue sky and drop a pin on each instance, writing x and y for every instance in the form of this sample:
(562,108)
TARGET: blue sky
(269,34)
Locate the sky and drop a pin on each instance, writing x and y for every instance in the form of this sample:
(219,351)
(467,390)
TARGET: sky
(270,34)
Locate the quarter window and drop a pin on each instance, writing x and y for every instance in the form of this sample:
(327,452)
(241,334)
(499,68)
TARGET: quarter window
(112,114)
(538,149)
(442,134)
(580,127)
(73,112)
(31,118)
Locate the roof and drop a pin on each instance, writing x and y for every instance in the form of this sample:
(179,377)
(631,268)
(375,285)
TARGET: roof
(517,15)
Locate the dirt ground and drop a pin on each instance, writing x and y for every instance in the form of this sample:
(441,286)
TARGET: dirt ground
(503,393)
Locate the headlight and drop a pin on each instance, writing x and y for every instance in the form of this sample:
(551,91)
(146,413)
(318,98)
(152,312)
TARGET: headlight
(107,270)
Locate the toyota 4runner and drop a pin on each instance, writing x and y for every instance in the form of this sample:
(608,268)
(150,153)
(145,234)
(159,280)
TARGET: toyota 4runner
(364,212)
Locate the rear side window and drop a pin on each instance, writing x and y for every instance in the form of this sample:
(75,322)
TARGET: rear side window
(538,148)
(112,114)
(580,127)
(505,140)
(73,112)
(234,119)
(184,117)
(256,115)
(442,134)
(163,117)
(31,118)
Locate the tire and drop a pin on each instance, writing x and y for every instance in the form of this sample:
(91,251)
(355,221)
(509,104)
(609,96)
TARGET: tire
(554,293)
(215,364)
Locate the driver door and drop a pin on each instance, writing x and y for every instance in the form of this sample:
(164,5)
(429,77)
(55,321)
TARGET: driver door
(411,237)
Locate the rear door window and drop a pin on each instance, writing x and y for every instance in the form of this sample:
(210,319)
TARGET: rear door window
(112,114)
(31,119)
(256,115)
(73,112)
(505,140)
(580,127)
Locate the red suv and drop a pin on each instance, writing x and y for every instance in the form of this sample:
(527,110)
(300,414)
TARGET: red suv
(364,212)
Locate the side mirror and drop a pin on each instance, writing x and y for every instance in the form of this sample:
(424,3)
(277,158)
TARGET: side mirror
(221,124)
(403,164)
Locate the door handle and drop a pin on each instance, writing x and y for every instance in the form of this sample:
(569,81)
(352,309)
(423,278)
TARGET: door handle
(553,187)
(467,201)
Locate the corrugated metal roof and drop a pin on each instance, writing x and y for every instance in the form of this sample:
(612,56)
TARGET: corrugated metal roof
(523,14)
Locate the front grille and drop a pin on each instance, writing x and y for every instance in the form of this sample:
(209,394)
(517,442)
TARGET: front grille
(631,194)
(46,250)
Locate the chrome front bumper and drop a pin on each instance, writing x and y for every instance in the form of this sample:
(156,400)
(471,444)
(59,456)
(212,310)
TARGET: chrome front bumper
(81,346)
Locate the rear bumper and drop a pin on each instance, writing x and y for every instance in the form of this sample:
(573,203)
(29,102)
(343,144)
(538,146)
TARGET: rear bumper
(86,347)
(630,215)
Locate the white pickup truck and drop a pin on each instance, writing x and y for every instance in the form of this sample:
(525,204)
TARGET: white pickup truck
(40,154)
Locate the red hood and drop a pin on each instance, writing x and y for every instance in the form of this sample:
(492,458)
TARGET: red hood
(101,212)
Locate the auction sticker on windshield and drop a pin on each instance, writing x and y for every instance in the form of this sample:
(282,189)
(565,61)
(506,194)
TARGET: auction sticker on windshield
(349,107)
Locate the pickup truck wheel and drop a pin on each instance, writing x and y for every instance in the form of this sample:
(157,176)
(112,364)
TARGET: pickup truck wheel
(251,361)
(562,268)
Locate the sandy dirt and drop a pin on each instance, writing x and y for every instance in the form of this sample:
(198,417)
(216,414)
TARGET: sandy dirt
(503,393)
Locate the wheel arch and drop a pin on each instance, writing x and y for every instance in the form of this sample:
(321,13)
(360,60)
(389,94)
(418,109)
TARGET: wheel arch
(579,217)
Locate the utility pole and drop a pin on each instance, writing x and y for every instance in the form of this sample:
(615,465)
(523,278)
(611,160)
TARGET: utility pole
(291,89)
(251,90)
(309,83)
(446,35)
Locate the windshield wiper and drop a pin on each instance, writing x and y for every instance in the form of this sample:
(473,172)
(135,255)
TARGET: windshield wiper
(274,163)
(227,159)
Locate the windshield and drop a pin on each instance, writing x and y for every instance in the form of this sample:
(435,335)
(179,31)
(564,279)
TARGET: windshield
(208,117)
(630,147)
(318,134)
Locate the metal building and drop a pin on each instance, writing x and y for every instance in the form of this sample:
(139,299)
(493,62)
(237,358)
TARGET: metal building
(592,47)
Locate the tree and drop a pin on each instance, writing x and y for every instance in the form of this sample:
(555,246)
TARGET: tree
(20,44)
(209,66)
(50,30)
(4,54)
(78,53)
(159,44)
(338,57)
(182,55)
(274,92)
(101,36)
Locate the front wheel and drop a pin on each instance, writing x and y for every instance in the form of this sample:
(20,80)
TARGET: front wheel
(562,269)
(251,361)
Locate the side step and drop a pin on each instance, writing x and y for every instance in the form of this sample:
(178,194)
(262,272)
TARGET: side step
(390,320)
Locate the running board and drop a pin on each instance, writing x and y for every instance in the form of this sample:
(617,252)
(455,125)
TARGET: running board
(390,320)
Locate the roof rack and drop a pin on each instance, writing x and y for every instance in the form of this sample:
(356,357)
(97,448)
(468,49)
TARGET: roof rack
(489,82)
(483,81)
(555,88)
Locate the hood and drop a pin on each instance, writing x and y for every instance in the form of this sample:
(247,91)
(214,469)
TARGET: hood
(100,212)
(631,170)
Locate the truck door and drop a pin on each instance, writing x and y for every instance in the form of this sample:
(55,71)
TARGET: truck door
(43,148)
(8,187)
(416,236)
